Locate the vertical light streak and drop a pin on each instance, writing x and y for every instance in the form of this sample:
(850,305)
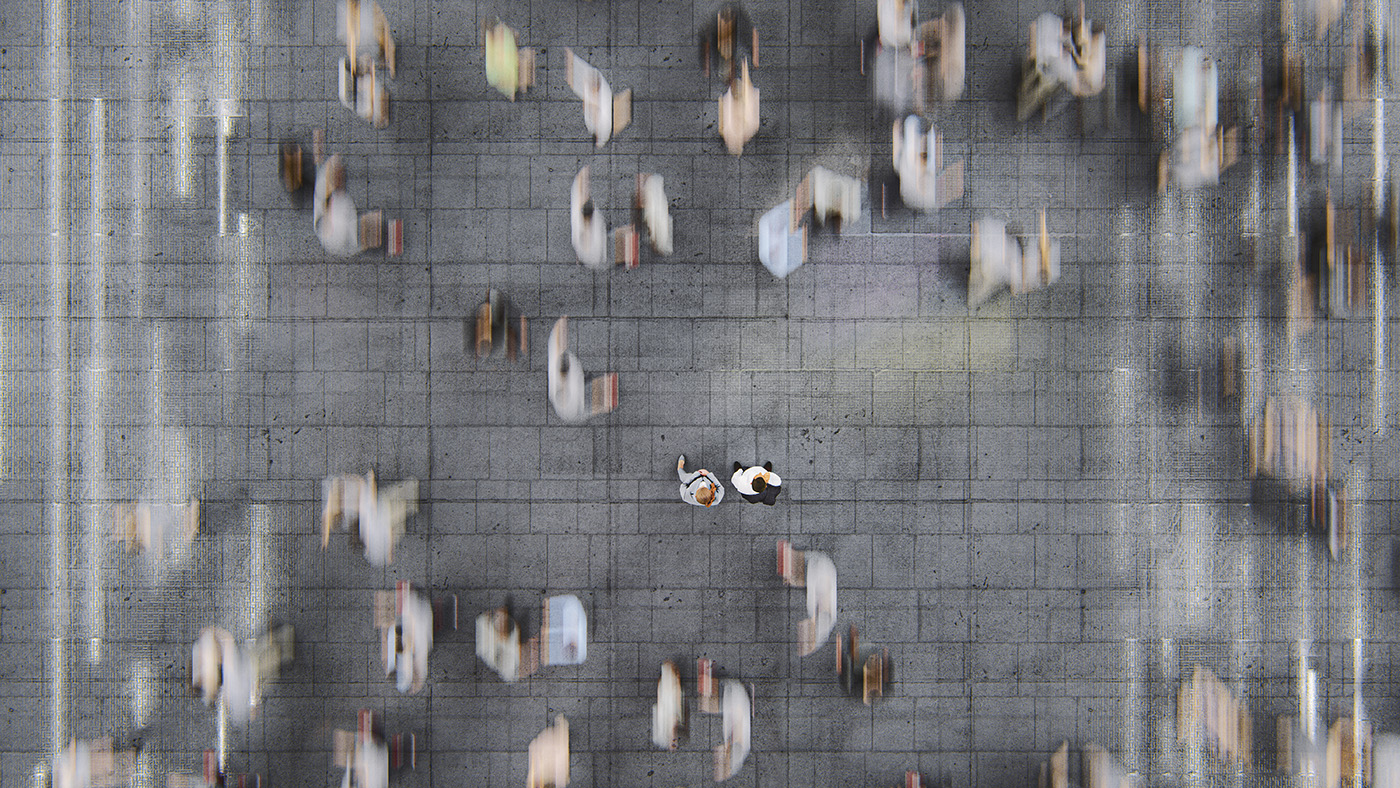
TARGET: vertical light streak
(1379,363)
(225,130)
(1132,707)
(1307,691)
(1124,294)
(144,681)
(94,424)
(1292,195)
(223,736)
(1166,722)
(140,148)
(1356,741)
(256,610)
(5,413)
(145,770)
(57,343)
(183,131)
(228,68)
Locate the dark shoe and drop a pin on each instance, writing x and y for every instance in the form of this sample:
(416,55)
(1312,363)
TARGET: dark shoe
(768,466)
(738,466)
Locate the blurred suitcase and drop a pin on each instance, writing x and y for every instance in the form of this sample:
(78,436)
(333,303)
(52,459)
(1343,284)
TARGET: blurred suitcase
(395,237)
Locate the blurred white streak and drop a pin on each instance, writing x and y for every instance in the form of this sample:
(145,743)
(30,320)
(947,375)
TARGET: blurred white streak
(1123,303)
(223,736)
(57,344)
(6,317)
(225,131)
(1356,722)
(143,692)
(1133,670)
(258,580)
(1249,219)
(1379,345)
(1309,695)
(145,770)
(1292,195)
(183,108)
(93,435)
(1166,719)
(140,145)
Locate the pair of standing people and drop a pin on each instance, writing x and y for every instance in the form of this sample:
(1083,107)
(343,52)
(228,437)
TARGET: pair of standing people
(755,484)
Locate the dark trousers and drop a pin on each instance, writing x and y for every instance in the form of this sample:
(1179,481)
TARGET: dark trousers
(768,496)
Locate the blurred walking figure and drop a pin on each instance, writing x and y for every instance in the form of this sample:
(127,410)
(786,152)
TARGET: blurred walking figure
(1202,147)
(1062,55)
(498,643)
(738,716)
(572,400)
(408,640)
(82,764)
(343,232)
(831,197)
(817,573)
(999,260)
(656,211)
(367,757)
(206,663)
(699,488)
(587,227)
(821,603)
(509,69)
(755,484)
(369,45)
(924,184)
(549,756)
(733,38)
(738,113)
(668,713)
(378,515)
(603,113)
(896,21)
(221,666)
(162,532)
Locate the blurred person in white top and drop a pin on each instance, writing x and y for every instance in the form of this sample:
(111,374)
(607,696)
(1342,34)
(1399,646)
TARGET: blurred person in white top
(738,717)
(588,229)
(343,232)
(408,643)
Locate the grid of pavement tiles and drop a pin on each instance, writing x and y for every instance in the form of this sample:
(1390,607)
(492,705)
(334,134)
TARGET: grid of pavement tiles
(1038,507)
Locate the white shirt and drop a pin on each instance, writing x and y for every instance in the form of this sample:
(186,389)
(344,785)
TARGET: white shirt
(371,764)
(669,708)
(240,679)
(204,663)
(743,479)
(738,716)
(896,21)
(821,594)
(738,113)
(334,215)
(566,389)
(657,213)
(376,531)
(73,766)
(590,235)
(589,84)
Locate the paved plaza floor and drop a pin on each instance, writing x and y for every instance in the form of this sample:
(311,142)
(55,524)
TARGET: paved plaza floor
(1040,507)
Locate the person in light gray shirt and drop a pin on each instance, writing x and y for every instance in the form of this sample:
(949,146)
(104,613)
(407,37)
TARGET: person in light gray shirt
(699,488)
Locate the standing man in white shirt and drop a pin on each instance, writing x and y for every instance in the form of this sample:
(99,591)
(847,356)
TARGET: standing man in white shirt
(755,484)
